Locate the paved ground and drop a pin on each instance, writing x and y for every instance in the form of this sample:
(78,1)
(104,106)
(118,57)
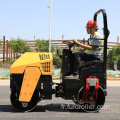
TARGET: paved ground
(52,109)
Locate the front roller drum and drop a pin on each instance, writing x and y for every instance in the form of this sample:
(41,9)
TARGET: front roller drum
(24,106)
(91,106)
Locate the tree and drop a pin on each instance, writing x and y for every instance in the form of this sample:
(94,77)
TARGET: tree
(19,45)
(0,42)
(43,46)
(114,55)
(56,59)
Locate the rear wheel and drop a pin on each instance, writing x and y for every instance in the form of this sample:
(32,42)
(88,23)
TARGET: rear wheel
(91,107)
(23,106)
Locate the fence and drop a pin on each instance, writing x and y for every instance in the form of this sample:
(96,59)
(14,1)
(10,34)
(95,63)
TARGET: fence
(9,52)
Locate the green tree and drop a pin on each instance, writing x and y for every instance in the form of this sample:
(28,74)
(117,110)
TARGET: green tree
(56,59)
(114,55)
(0,42)
(19,45)
(42,45)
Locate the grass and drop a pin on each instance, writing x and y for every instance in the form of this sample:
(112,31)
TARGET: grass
(55,77)
(1,63)
(5,78)
(114,79)
(5,65)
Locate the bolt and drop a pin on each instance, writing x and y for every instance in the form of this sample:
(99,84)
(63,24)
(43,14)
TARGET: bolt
(31,93)
(25,93)
(28,84)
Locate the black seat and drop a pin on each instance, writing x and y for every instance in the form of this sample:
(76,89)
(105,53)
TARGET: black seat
(90,67)
(88,63)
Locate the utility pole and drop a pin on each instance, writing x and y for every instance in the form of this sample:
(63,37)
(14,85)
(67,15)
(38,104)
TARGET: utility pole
(50,26)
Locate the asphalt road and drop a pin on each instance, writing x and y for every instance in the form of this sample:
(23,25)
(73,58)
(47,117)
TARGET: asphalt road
(52,110)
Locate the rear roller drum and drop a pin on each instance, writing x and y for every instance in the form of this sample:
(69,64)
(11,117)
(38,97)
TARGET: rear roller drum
(91,107)
(24,106)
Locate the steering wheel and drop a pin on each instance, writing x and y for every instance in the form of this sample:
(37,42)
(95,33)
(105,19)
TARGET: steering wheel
(70,44)
(67,42)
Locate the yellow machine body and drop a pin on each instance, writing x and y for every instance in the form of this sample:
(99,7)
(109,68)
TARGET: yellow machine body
(32,65)
(42,60)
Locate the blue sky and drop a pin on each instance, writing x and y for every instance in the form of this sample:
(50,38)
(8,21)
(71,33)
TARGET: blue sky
(26,18)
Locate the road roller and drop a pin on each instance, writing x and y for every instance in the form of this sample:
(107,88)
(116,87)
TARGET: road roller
(31,78)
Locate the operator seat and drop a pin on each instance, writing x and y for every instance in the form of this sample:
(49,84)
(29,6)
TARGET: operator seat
(89,67)
(87,63)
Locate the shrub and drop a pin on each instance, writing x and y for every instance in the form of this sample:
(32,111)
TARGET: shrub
(1,63)
(0,42)
(114,55)
(19,45)
(11,60)
(57,61)
(43,46)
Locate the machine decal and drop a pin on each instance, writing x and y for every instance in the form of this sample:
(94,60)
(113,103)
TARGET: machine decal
(44,56)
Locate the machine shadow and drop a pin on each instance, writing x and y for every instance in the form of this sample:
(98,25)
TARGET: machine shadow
(58,108)
(43,108)
(7,108)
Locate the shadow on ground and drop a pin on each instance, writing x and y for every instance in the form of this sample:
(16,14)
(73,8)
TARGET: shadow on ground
(44,108)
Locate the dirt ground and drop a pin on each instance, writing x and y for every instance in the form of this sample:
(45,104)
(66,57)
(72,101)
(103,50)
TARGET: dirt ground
(112,77)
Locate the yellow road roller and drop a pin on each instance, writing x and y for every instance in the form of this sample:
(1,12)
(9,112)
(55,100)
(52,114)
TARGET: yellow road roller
(31,78)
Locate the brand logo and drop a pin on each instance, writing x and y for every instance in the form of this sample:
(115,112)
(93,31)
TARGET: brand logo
(44,56)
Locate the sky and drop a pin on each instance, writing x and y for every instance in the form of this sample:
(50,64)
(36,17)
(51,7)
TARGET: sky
(26,18)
